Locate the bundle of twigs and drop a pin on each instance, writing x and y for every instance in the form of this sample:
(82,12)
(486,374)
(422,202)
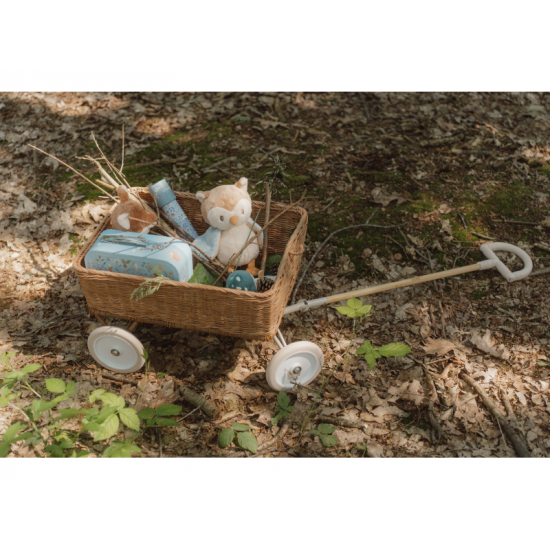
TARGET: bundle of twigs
(111,181)
(112,178)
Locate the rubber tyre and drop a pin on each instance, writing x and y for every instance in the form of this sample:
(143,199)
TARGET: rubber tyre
(305,354)
(105,339)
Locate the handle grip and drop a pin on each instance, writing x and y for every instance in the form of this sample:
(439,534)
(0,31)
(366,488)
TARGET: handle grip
(493,261)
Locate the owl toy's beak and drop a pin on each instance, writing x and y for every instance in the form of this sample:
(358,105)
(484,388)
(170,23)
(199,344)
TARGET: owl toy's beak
(234,220)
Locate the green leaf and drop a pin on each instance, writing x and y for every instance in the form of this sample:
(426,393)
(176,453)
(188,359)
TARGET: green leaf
(112,399)
(80,454)
(145,355)
(14,375)
(146,413)
(161,421)
(54,451)
(90,426)
(66,413)
(328,440)
(108,428)
(92,413)
(121,449)
(11,433)
(354,303)
(106,411)
(280,414)
(314,432)
(150,422)
(364,310)
(203,276)
(326,428)
(240,427)
(71,388)
(283,399)
(247,441)
(5,449)
(345,311)
(394,350)
(95,394)
(370,354)
(543,364)
(3,401)
(33,367)
(130,418)
(55,385)
(226,437)
(168,410)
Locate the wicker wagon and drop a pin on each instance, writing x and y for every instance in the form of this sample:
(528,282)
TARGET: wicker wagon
(236,313)
(215,310)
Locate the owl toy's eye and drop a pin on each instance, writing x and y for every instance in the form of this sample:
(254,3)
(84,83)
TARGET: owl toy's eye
(221,218)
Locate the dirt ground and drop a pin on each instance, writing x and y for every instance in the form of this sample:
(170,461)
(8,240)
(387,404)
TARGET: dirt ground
(458,170)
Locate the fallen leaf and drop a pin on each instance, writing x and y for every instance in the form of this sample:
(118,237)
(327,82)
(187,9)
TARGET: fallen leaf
(521,397)
(487,344)
(438,347)
(446,226)
(375,450)
(390,411)
(384,199)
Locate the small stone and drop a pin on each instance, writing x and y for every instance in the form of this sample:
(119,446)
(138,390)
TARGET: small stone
(367,252)
(397,257)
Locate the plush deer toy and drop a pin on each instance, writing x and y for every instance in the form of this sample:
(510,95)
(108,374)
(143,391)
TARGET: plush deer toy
(227,208)
(126,213)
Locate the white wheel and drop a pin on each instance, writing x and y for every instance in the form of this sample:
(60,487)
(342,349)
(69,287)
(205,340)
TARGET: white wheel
(116,349)
(299,362)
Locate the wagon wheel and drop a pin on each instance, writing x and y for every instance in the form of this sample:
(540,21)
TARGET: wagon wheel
(116,349)
(296,363)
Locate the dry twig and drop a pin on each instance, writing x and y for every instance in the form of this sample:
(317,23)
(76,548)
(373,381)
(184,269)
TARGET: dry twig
(367,224)
(519,446)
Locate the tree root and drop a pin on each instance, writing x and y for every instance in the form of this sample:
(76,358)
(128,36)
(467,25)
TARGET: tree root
(517,442)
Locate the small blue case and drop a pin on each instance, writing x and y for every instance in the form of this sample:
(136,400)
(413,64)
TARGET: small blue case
(138,254)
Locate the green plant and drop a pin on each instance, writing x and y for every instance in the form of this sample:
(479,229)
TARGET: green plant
(157,418)
(283,408)
(357,311)
(363,448)
(371,354)
(149,286)
(121,449)
(242,433)
(103,422)
(325,431)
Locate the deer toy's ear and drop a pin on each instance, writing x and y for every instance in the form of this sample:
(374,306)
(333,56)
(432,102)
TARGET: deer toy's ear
(202,195)
(122,194)
(242,184)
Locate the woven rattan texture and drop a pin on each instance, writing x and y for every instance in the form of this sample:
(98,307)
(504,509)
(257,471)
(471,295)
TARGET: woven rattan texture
(196,307)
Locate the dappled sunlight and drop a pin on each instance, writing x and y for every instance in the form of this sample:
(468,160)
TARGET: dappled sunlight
(457,170)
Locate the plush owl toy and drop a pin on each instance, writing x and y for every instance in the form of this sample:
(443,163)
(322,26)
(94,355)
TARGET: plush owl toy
(227,209)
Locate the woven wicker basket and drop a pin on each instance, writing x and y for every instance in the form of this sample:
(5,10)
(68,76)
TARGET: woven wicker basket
(237,313)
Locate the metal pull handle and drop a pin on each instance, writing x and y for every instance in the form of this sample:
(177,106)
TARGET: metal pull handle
(493,261)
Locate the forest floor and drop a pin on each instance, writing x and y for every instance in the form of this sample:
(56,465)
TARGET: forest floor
(451,167)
